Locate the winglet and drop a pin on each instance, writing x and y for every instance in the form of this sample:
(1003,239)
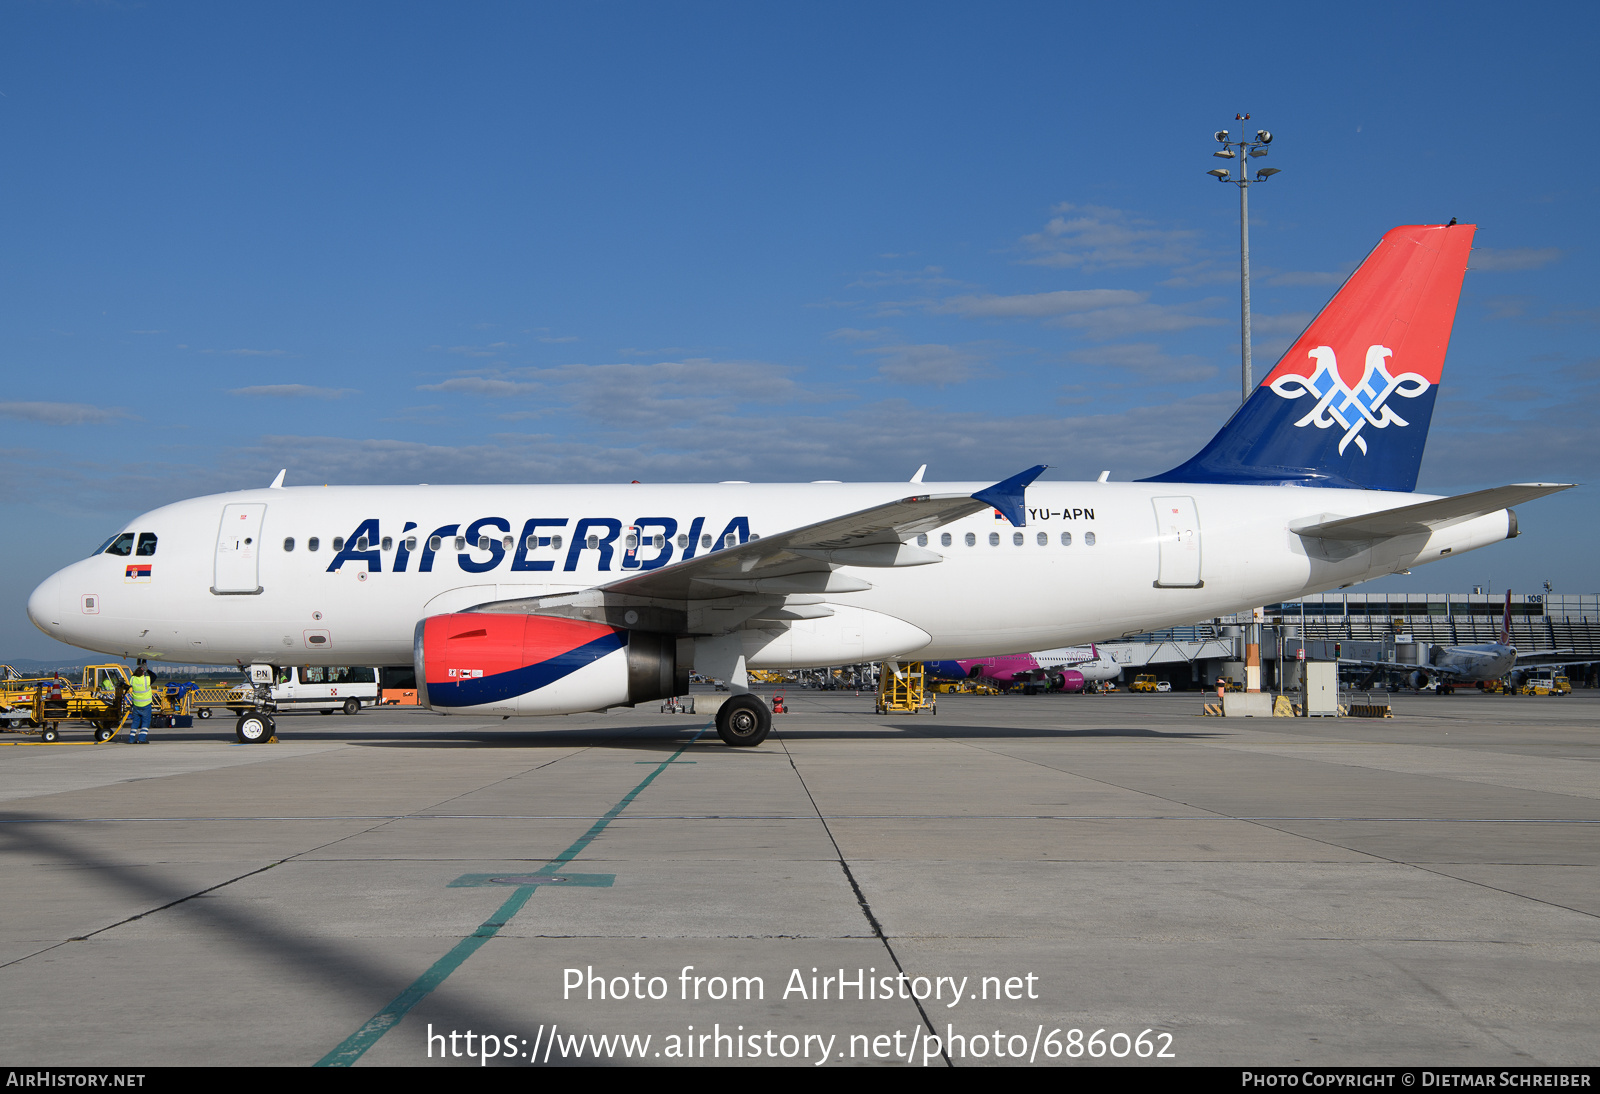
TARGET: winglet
(1008,495)
(277,483)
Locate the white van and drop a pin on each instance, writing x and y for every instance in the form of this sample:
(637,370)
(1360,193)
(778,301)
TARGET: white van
(326,688)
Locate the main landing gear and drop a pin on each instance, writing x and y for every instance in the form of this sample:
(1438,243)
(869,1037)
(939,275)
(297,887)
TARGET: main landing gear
(743,720)
(254,728)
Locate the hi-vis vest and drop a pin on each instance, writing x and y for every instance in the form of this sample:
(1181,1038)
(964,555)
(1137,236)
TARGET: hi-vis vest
(139,686)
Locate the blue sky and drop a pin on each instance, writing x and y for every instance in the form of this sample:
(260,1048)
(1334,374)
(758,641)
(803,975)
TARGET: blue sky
(601,242)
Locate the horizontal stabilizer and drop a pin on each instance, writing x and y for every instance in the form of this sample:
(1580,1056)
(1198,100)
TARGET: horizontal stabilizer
(1427,516)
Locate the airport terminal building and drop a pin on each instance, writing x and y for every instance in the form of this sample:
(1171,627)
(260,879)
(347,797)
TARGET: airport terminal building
(1368,626)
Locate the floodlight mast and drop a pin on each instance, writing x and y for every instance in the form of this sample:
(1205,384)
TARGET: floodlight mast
(1247,150)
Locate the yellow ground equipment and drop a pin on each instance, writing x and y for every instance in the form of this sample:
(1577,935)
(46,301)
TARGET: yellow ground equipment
(40,704)
(902,689)
(1143,683)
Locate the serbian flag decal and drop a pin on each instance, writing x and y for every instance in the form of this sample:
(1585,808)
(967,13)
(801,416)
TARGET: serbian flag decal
(137,574)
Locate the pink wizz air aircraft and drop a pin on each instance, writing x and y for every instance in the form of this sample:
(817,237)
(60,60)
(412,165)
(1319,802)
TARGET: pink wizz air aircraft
(1070,668)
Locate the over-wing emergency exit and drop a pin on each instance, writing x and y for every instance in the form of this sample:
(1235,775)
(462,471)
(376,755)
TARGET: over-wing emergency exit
(528,600)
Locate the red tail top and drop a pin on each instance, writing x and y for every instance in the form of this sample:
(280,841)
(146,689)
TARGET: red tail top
(1402,298)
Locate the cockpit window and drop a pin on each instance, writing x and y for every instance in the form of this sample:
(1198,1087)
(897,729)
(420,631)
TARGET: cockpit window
(147,544)
(122,545)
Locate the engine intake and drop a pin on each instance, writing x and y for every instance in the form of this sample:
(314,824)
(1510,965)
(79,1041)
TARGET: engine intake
(533,664)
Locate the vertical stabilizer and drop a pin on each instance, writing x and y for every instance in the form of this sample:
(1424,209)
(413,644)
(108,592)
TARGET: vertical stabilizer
(1349,405)
(1505,622)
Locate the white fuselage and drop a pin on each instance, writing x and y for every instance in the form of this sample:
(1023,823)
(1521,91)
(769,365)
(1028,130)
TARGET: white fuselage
(1122,573)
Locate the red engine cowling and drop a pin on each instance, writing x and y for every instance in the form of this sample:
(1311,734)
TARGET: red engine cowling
(532,664)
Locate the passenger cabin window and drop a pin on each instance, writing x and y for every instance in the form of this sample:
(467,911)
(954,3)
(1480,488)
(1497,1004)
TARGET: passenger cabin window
(731,539)
(683,541)
(994,539)
(507,542)
(147,544)
(483,543)
(122,545)
(972,539)
(361,544)
(313,543)
(1066,539)
(555,541)
(411,543)
(922,540)
(435,543)
(288,543)
(1043,539)
(631,542)
(532,542)
(593,543)
(388,543)
(944,539)
(1016,539)
(461,543)
(338,543)
(1088,539)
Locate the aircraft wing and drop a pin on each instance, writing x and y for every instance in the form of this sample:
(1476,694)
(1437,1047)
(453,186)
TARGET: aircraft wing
(1397,666)
(796,567)
(1426,516)
(1551,657)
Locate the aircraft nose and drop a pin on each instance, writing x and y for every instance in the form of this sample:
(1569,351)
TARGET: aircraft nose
(44,606)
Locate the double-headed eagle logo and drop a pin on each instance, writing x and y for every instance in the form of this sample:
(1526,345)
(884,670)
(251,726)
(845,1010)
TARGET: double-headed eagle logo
(1351,408)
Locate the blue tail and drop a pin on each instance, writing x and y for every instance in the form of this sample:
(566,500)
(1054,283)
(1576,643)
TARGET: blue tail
(1349,405)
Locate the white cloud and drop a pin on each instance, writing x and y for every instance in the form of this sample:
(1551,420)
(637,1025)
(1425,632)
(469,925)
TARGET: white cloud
(1120,322)
(294,391)
(928,275)
(61,413)
(629,392)
(1146,359)
(1095,237)
(936,365)
(1039,305)
(1513,258)
(851,334)
(1289,322)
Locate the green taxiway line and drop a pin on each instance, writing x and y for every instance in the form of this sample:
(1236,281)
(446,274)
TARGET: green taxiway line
(352,1047)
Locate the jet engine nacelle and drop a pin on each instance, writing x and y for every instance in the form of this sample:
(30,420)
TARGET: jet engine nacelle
(1071,680)
(472,663)
(1418,680)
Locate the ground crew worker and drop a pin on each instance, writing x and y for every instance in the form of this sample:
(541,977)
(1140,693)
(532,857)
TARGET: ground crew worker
(139,692)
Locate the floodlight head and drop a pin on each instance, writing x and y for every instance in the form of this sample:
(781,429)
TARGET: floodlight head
(1263,136)
(1221,175)
(1225,154)
(1266,173)
(1221,135)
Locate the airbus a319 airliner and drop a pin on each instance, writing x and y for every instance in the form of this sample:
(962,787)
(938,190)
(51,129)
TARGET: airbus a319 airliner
(532,600)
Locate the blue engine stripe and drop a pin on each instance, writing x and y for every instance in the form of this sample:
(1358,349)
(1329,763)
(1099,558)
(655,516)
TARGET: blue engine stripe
(502,686)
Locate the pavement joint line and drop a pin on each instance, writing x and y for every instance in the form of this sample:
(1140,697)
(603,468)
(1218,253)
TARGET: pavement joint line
(1267,823)
(1211,817)
(351,1049)
(861,897)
